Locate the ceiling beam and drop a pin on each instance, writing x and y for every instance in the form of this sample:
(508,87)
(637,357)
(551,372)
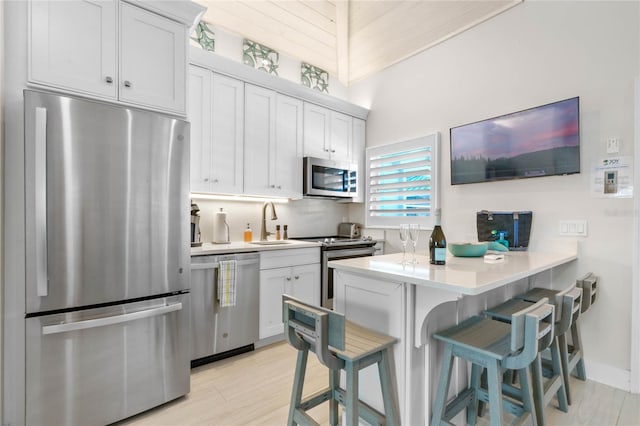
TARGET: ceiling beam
(342,41)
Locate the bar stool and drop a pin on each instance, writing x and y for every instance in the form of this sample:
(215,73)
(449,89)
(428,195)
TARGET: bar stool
(589,285)
(572,355)
(567,303)
(339,345)
(494,345)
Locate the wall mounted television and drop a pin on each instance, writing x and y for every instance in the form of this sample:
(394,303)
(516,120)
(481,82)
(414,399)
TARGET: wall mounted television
(540,141)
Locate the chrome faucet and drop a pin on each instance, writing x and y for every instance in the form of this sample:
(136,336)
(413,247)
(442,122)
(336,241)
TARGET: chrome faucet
(263,228)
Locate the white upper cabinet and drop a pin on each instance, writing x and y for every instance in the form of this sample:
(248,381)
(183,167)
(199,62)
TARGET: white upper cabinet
(216,113)
(341,136)
(286,172)
(317,131)
(259,141)
(153,59)
(357,157)
(73,46)
(273,143)
(199,114)
(227,135)
(327,134)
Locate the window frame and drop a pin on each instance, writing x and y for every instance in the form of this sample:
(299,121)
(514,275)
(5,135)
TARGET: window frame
(431,140)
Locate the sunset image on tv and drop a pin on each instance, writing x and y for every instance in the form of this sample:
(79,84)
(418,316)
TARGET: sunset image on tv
(541,141)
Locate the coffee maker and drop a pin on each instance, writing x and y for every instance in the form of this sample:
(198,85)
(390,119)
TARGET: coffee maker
(196,239)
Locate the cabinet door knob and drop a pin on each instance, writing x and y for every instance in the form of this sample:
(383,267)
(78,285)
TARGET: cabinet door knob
(215,181)
(326,150)
(127,83)
(272,186)
(296,277)
(279,187)
(108,79)
(206,179)
(288,278)
(333,150)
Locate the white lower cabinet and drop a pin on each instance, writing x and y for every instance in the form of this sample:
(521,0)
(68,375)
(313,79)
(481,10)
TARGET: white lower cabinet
(300,280)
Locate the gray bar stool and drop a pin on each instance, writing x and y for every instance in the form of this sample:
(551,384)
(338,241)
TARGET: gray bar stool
(496,346)
(339,345)
(567,303)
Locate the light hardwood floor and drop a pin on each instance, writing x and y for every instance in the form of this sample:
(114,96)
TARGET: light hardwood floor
(254,389)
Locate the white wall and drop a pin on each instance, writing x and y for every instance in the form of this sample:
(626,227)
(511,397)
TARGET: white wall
(1,187)
(305,218)
(535,53)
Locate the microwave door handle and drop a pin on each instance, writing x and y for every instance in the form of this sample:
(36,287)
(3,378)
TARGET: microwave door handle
(112,320)
(40,202)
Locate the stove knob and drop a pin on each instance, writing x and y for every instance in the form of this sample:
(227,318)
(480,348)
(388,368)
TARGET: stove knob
(331,241)
(326,240)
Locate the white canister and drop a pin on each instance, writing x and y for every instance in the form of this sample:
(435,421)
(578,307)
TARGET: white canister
(220,228)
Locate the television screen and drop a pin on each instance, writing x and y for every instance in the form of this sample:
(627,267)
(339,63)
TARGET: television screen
(540,141)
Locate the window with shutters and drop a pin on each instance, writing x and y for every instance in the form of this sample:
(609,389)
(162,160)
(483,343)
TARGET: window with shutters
(402,183)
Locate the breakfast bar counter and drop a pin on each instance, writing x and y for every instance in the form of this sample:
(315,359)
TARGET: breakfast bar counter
(412,301)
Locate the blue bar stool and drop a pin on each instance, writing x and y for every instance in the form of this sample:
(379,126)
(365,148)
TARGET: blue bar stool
(566,303)
(494,346)
(339,345)
(572,355)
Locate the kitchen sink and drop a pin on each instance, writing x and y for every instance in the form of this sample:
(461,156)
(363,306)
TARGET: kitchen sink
(270,243)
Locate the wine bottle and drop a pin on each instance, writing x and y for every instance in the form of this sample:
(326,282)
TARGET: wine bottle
(437,242)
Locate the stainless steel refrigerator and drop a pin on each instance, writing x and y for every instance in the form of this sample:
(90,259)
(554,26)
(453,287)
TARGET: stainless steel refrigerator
(107,291)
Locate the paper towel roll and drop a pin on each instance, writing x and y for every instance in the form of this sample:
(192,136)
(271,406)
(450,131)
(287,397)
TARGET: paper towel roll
(220,228)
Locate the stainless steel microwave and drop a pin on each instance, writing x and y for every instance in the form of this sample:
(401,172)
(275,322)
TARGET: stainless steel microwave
(329,178)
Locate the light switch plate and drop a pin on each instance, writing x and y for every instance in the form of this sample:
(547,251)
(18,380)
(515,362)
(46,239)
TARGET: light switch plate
(573,228)
(613,146)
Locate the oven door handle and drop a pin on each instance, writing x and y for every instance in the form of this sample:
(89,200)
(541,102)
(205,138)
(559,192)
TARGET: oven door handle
(349,253)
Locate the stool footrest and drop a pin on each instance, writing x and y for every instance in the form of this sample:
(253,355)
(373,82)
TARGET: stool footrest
(458,404)
(316,399)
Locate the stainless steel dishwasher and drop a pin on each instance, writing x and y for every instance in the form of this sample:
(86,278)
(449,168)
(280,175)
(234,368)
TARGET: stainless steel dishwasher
(218,332)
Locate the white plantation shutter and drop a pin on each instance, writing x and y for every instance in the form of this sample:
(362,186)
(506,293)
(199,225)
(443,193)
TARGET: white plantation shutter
(402,182)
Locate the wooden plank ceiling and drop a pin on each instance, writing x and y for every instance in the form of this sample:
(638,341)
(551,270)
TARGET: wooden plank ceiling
(351,39)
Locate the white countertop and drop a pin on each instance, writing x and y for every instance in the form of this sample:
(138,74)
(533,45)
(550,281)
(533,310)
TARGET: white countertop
(242,247)
(464,275)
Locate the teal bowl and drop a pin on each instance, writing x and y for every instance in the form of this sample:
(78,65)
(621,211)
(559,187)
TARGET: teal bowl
(468,249)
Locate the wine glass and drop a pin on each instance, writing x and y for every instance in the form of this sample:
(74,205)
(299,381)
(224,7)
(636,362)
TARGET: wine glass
(404,233)
(414,233)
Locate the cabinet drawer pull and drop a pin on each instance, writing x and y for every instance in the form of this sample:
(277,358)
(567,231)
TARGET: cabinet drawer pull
(108,80)
(127,83)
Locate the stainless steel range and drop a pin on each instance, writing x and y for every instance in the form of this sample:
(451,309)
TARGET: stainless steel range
(346,245)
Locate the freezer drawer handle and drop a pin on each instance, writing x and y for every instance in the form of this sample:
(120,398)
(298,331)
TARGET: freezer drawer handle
(116,319)
(40,202)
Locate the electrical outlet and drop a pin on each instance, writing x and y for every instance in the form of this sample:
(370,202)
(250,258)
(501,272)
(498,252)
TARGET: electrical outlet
(573,228)
(613,146)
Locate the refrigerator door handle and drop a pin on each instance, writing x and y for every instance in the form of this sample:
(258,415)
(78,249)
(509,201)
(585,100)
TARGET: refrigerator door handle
(116,319)
(40,204)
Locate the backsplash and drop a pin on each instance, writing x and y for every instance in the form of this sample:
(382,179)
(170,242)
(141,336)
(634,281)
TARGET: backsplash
(305,218)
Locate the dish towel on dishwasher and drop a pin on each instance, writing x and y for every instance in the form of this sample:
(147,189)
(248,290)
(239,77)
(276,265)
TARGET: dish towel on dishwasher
(227,283)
